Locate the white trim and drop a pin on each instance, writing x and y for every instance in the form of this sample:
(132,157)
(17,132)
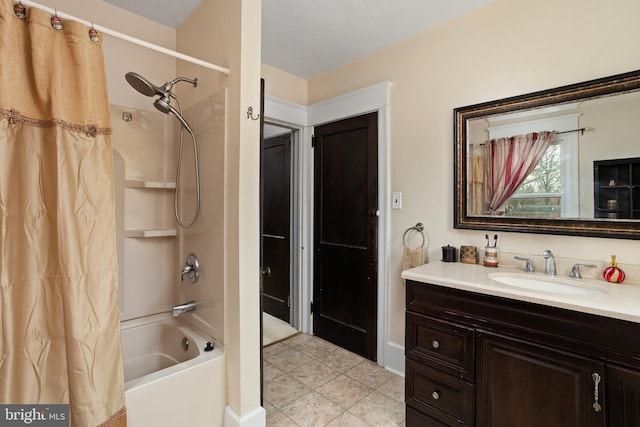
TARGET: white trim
(285,112)
(384,188)
(255,418)
(554,110)
(354,103)
(305,245)
(290,114)
(394,358)
(366,100)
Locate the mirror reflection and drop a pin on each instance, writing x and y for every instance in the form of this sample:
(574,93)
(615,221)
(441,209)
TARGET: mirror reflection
(556,151)
(561,161)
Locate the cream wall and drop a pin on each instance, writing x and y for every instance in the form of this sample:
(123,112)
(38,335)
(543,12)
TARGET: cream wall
(284,85)
(507,48)
(233,40)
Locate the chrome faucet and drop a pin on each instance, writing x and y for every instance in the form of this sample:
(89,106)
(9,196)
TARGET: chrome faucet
(183,308)
(549,263)
(528,268)
(575,270)
(190,269)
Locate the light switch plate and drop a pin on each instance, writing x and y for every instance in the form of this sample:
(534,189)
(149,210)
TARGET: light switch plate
(397,200)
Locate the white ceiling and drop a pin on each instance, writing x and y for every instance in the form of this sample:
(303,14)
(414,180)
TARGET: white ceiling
(171,13)
(307,38)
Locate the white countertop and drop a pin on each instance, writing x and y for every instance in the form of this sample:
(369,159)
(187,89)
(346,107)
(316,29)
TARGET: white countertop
(619,301)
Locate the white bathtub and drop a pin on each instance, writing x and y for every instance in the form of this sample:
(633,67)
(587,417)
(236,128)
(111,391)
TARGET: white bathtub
(166,385)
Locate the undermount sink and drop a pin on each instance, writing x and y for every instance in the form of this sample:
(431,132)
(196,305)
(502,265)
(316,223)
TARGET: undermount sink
(546,284)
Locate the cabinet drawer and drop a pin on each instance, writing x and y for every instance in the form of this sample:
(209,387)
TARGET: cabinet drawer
(416,418)
(441,344)
(438,394)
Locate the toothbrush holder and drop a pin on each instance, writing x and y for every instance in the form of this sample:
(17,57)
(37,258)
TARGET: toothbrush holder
(490,256)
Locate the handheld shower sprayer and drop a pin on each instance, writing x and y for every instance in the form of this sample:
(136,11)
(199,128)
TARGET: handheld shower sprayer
(163,104)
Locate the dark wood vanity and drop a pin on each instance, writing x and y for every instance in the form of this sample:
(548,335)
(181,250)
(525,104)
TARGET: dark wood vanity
(489,361)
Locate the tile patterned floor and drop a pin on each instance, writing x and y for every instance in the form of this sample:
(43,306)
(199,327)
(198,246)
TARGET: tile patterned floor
(310,382)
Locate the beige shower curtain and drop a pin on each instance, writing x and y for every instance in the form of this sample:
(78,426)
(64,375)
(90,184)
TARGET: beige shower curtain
(59,314)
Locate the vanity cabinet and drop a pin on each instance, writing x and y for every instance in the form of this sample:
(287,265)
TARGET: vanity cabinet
(486,361)
(623,394)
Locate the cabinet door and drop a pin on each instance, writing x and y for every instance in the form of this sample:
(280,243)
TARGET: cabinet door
(524,385)
(623,397)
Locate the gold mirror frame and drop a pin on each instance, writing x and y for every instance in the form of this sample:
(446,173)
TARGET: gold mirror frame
(621,229)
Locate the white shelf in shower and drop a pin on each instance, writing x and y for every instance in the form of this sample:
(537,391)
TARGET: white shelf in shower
(151,233)
(159,185)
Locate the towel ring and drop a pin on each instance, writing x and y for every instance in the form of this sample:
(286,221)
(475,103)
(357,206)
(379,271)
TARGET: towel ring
(419,227)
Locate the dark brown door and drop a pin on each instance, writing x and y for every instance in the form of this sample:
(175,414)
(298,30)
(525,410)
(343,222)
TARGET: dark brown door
(522,385)
(623,397)
(276,158)
(345,233)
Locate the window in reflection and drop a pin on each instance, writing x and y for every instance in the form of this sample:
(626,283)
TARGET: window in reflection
(541,193)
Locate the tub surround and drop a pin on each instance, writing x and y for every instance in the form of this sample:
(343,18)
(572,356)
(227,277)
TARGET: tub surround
(619,301)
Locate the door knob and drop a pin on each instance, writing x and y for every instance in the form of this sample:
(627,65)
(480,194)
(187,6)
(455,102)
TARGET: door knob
(266,272)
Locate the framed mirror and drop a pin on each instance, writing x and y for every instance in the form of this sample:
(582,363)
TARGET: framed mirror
(586,180)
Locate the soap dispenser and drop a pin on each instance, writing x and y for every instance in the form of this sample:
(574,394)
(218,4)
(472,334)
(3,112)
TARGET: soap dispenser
(613,273)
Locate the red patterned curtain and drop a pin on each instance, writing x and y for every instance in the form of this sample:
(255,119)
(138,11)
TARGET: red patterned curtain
(508,162)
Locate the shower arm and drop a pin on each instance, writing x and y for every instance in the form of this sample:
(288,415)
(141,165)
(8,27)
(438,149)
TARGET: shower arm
(166,88)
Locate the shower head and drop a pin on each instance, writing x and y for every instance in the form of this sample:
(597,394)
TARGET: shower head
(142,85)
(147,88)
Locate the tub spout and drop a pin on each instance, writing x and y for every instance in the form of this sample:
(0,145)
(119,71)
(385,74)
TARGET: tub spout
(183,308)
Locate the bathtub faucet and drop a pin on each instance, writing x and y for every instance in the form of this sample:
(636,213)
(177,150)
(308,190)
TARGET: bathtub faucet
(190,269)
(183,308)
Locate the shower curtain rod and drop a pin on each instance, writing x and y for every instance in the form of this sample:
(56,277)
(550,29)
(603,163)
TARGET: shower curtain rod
(128,38)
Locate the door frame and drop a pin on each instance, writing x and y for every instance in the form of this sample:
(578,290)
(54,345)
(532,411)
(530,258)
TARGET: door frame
(369,99)
(294,221)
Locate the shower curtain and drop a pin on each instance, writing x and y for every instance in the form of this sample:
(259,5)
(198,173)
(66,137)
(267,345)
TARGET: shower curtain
(59,314)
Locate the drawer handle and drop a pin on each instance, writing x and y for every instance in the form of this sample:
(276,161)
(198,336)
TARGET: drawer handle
(435,344)
(596,379)
(435,394)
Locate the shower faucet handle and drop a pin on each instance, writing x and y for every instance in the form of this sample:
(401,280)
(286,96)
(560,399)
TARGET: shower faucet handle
(190,269)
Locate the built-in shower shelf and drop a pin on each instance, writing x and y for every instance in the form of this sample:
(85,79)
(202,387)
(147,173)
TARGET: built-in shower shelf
(132,183)
(150,233)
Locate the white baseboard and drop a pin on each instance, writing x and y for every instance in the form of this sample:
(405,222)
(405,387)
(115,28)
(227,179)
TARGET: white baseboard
(255,418)
(394,358)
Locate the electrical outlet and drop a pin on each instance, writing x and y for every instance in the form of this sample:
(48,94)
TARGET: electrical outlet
(397,200)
